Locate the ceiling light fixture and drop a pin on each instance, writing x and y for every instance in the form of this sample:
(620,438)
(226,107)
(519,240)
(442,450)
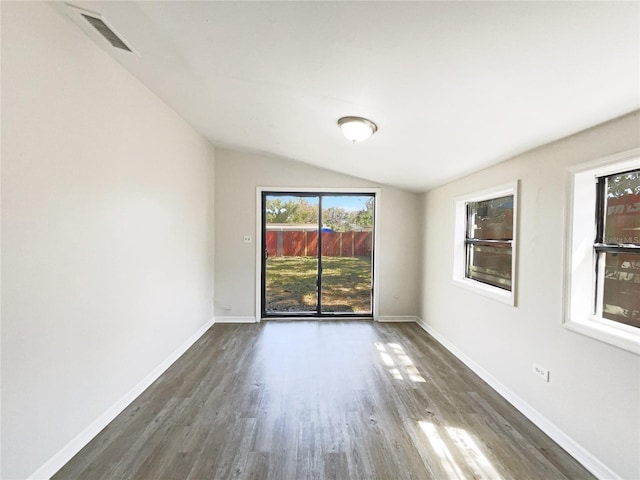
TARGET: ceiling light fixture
(357,129)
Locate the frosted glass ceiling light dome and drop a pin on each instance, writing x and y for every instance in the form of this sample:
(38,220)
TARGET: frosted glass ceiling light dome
(357,129)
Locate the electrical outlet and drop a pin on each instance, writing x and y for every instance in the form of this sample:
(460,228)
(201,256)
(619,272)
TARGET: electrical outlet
(246,239)
(541,372)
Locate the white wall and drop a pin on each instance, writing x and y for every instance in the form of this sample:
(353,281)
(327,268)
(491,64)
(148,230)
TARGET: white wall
(107,233)
(237,176)
(594,392)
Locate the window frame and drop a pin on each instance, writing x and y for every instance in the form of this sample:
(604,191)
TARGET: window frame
(376,191)
(461,242)
(602,247)
(582,234)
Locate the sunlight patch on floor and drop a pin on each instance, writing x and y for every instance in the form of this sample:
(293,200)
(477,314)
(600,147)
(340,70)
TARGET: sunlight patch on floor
(446,458)
(474,459)
(386,358)
(403,360)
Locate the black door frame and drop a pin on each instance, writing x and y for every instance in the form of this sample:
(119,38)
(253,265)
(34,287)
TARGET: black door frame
(263,268)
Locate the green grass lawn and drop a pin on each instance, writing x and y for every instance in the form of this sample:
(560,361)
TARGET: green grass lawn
(291,284)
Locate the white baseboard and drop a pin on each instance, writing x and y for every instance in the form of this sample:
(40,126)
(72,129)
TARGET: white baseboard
(235,320)
(396,318)
(56,462)
(577,451)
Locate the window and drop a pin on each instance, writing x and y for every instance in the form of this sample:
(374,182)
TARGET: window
(484,257)
(602,267)
(488,241)
(617,247)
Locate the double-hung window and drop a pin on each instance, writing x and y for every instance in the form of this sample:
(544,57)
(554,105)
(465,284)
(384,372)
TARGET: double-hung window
(617,248)
(489,241)
(602,259)
(485,236)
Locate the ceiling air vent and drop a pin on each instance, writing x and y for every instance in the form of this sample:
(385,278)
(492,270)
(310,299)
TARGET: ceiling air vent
(106,32)
(87,19)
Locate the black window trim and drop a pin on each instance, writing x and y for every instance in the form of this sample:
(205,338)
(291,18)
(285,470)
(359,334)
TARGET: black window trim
(599,246)
(601,194)
(468,241)
(318,313)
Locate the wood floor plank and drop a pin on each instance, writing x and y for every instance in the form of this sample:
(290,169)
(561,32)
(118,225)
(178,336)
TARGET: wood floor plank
(320,400)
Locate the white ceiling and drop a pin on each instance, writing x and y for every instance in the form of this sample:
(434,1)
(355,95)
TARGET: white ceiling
(453,86)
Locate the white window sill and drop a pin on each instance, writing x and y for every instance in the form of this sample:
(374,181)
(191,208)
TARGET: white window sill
(579,264)
(489,291)
(626,340)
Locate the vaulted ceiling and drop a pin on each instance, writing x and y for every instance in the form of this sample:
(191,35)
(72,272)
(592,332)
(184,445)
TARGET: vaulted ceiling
(453,86)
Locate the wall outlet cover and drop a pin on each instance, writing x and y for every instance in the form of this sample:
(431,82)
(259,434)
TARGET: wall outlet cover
(541,372)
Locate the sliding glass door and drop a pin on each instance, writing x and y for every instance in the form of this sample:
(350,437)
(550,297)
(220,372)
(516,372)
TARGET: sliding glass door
(317,254)
(290,260)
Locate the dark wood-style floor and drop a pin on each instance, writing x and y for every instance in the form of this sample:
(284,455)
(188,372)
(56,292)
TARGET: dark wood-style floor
(320,400)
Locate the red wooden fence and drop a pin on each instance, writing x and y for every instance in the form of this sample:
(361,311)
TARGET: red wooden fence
(303,243)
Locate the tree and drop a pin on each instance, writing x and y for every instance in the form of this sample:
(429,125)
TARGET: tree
(300,210)
(624,184)
(364,217)
(336,218)
(279,211)
(306,213)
